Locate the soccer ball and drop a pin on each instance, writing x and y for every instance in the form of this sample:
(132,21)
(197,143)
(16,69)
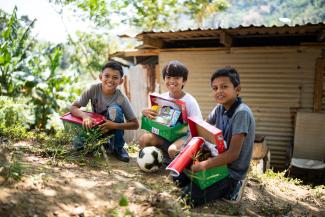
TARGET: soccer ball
(150,159)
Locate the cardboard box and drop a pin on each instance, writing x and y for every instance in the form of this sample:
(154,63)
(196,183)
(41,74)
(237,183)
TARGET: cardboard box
(208,177)
(169,133)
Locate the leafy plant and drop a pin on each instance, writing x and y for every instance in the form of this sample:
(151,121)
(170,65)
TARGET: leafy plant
(11,170)
(14,48)
(281,177)
(15,112)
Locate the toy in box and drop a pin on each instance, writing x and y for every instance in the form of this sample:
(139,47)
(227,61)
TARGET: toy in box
(171,122)
(202,132)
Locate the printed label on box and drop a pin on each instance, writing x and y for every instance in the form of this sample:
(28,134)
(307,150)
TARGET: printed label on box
(155,130)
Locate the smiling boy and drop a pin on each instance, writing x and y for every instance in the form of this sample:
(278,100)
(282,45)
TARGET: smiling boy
(237,123)
(175,77)
(109,101)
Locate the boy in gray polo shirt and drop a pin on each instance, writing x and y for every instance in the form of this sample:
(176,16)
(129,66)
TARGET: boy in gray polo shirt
(109,101)
(237,123)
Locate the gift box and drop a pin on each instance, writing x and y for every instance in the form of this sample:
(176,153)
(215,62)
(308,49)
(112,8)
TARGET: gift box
(210,133)
(73,123)
(200,128)
(208,177)
(170,133)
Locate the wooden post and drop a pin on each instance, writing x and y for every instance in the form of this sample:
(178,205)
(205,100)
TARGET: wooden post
(318,84)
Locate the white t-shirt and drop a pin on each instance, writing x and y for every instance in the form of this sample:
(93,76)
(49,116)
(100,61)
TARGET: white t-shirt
(192,107)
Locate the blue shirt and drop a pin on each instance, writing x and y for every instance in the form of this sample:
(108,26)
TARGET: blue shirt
(241,120)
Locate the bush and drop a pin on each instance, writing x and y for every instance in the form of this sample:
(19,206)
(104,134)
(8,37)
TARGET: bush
(16,112)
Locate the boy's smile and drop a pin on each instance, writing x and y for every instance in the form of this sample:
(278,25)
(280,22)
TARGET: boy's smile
(224,91)
(110,80)
(174,84)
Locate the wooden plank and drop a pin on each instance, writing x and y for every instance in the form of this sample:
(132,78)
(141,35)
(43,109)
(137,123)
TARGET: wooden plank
(153,42)
(225,39)
(318,86)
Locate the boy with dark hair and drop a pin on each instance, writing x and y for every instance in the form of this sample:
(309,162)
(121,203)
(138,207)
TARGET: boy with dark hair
(237,123)
(109,101)
(175,76)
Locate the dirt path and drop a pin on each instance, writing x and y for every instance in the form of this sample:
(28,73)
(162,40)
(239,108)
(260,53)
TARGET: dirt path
(114,188)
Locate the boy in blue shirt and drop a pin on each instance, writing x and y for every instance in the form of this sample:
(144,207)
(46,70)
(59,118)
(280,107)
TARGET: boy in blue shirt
(109,101)
(237,123)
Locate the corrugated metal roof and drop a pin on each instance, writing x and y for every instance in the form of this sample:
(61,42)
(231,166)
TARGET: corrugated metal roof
(276,29)
(241,36)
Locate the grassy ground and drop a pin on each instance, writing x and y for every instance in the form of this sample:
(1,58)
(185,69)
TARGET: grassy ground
(53,180)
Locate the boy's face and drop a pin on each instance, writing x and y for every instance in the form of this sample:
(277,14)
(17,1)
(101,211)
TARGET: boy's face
(174,84)
(110,79)
(224,91)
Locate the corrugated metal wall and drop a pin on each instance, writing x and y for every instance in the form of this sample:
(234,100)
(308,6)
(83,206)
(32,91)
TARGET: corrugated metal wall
(276,82)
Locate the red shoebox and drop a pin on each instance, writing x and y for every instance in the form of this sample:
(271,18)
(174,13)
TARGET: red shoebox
(210,133)
(97,118)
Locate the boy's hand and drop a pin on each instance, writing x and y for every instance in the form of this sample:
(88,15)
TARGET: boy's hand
(87,123)
(197,166)
(107,126)
(149,113)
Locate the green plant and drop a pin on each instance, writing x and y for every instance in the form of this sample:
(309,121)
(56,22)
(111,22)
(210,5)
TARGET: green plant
(14,49)
(280,176)
(319,191)
(11,170)
(15,111)
(123,201)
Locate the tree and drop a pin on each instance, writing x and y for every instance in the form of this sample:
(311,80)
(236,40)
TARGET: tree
(147,14)
(14,50)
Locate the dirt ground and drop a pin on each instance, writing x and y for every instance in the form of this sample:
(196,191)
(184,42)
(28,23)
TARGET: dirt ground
(113,188)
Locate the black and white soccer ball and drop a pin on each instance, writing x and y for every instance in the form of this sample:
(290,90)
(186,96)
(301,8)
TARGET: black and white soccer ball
(150,159)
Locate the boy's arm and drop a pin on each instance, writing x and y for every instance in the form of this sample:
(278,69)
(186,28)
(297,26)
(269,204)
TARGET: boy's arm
(110,125)
(226,157)
(86,120)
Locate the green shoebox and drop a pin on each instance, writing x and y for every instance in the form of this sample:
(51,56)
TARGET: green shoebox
(169,133)
(208,177)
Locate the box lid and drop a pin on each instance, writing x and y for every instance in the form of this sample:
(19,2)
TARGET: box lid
(97,118)
(157,99)
(199,127)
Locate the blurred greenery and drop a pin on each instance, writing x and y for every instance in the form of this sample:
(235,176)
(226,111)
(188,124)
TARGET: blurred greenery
(50,76)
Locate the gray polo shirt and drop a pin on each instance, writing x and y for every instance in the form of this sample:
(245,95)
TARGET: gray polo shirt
(242,121)
(100,101)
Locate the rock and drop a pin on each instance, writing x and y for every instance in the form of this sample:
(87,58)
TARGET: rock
(78,211)
(139,187)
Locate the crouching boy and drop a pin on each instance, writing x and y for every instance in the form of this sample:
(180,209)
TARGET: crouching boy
(237,123)
(109,101)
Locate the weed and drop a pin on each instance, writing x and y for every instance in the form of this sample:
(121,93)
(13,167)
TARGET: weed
(281,177)
(12,171)
(319,191)
(123,201)
(132,148)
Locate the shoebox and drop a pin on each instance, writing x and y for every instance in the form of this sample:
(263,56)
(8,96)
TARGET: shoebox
(210,133)
(206,178)
(74,124)
(170,133)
